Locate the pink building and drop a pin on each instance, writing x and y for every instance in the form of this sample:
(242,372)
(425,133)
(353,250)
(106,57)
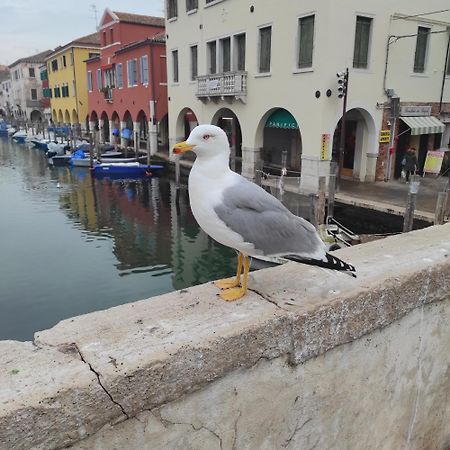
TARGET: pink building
(127,83)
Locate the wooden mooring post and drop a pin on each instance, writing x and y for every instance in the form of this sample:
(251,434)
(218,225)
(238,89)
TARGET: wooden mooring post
(411,204)
(441,206)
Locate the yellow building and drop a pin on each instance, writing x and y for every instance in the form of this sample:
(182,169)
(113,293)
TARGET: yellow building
(68,81)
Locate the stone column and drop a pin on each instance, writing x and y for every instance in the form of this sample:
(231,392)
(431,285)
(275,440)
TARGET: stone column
(91,126)
(111,137)
(312,169)
(251,162)
(152,137)
(136,138)
(122,140)
(371,166)
(100,129)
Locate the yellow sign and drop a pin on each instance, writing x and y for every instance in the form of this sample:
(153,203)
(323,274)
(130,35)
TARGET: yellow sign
(324,147)
(433,163)
(385,136)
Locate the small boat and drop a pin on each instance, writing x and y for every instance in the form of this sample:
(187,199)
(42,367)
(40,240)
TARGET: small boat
(125,170)
(20,136)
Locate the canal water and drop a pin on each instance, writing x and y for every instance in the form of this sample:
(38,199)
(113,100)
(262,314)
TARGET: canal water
(71,245)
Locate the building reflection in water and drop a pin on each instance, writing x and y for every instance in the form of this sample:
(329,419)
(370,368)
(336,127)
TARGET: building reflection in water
(150,231)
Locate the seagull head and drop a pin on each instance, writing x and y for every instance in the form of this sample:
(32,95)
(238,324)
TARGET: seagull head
(206,141)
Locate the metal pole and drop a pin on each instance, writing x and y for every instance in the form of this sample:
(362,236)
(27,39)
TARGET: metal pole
(409,212)
(342,137)
(395,110)
(445,71)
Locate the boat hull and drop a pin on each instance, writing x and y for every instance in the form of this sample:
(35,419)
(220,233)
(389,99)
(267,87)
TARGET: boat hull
(126,170)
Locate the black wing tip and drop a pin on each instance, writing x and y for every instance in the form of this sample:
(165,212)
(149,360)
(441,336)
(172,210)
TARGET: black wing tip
(331,262)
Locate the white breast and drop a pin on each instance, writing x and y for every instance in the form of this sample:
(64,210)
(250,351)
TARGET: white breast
(205,194)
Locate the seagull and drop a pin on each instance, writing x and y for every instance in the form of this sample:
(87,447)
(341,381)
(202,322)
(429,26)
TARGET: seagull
(239,214)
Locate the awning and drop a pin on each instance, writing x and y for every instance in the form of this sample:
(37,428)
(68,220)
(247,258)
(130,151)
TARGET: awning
(282,119)
(424,125)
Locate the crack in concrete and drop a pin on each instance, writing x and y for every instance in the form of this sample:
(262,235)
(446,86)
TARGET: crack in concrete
(233,447)
(166,422)
(296,430)
(267,298)
(100,382)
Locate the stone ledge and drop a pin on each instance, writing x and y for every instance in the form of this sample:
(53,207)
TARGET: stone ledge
(141,355)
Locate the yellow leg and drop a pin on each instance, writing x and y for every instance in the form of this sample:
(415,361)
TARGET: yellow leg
(227,283)
(236,293)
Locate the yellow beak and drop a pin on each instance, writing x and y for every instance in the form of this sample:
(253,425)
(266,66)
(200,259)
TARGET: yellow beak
(182,147)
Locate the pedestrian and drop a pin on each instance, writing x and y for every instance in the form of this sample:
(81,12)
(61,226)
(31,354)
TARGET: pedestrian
(410,162)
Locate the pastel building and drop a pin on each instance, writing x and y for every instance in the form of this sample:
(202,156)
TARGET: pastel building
(67,84)
(127,82)
(266,72)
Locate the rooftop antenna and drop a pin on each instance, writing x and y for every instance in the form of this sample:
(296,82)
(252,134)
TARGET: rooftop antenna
(94,8)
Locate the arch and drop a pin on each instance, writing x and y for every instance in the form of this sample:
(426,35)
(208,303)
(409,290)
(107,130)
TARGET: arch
(360,140)
(93,117)
(142,120)
(163,134)
(60,116)
(186,121)
(105,127)
(74,116)
(86,122)
(128,119)
(278,133)
(36,116)
(226,119)
(66,116)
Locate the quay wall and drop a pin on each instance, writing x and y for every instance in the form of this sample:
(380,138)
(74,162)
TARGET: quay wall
(309,359)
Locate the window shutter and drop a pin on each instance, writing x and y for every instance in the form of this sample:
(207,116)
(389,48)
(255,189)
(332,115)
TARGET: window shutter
(306,43)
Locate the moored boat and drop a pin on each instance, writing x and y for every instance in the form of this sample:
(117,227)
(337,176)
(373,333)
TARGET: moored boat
(126,170)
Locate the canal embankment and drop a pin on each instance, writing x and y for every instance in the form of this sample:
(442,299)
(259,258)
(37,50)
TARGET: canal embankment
(309,358)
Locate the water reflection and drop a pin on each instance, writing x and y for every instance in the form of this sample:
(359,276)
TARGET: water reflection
(77,244)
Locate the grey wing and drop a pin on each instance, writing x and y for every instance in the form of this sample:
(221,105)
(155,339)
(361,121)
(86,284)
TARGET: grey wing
(263,221)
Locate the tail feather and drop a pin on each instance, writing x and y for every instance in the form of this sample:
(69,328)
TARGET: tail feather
(329,262)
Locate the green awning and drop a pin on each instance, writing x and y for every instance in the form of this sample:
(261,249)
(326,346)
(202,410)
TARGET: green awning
(282,119)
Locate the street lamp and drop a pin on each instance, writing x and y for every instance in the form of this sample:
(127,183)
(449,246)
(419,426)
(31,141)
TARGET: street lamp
(342,93)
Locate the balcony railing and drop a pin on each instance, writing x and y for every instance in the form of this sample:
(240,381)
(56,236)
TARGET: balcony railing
(223,85)
(108,93)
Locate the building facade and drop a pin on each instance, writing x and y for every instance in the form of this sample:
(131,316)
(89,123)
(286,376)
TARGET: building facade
(67,84)
(26,88)
(5,91)
(127,83)
(267,74)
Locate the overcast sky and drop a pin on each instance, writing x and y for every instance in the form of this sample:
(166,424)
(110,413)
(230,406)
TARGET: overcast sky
(32,26)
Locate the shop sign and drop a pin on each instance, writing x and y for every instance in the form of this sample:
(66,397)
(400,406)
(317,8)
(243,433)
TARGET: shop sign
(385,136)
(324,147)
(433,162)
(415,111)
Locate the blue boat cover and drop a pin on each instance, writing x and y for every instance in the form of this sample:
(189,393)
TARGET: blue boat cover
(127,133)
(79,154)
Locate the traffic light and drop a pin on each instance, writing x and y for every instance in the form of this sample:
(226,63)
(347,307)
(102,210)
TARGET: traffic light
(342,83)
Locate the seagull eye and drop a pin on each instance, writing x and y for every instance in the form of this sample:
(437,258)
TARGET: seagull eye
(206,137)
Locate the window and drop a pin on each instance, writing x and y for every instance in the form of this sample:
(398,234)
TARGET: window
(99,79)
(111,35)
(172,9)
(265,37)
(306,42)
(194,62)
(362,38)
(54,65)
(64,61)
(65,90)
(31,71)
(225,55)
(421,49)
(119,75)
(93,55)
(191,5)
(33,94)
(212,55)
(143,69)
(57,92)
(104,38)
(175,66)
(132,72)
(71,58)
(239,44)
(74,88)
(89,81)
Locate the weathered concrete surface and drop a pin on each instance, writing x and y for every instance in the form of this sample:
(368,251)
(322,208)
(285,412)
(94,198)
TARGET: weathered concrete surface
(383,391)
(150,353)
(48,398)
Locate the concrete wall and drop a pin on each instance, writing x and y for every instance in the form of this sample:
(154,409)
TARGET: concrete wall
(309,359)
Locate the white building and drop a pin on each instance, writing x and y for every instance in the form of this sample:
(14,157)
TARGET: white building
(5,91)
(266,72)
(26,87)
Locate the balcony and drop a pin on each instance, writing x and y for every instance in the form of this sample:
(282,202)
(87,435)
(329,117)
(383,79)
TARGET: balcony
(108,93)
(223,86)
